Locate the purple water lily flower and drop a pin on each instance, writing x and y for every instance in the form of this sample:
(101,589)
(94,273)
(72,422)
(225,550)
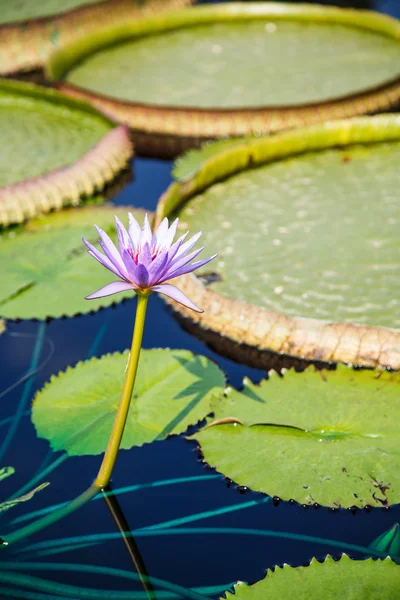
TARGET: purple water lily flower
(146,262)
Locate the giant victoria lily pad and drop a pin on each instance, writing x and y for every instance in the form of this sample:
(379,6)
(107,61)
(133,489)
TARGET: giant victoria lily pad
(30,30)
(55,151)
(305,225)
(329,437)
(248,68)
(46,271)
(354,579)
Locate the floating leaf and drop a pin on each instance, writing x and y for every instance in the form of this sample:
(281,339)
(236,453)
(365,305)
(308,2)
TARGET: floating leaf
(332,580)
(48,272)
(174,389)
(6,472)
(388,542)
(225,55)
(310,251)
(56,150)
(326,437)
(2,326)
(301,271)
(11,503)
(211,94)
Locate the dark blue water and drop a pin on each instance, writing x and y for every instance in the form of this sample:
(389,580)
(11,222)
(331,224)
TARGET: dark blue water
(218,535)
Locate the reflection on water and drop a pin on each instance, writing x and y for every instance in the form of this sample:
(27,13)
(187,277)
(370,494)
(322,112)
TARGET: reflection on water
(172,517)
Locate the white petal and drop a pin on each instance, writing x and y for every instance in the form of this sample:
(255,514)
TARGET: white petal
(134,230)
(145,233)
(160,233)
(169,237)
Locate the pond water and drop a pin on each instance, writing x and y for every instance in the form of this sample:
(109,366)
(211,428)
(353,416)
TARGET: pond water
(194,532)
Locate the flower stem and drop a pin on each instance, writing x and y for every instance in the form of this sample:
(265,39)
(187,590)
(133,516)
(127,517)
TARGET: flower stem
(104,474)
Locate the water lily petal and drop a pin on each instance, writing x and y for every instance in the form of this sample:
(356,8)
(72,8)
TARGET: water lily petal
(101,258)
(173,250)
(131,267)
(175,294)
(142,276)
(147,261)
(157,268)
(145,256)
(124,241)
(110,250)
(111,288)
(134,231)
(145,234)
(189,268)
(179,263)
(159,235)
(188,245)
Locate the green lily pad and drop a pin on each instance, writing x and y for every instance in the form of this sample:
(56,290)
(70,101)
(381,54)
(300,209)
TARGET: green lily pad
(135,72)
(332,580)
(21,10)
(329,437)
(48,273)
(296,236)
(55,151)
(235,55)
(174,389)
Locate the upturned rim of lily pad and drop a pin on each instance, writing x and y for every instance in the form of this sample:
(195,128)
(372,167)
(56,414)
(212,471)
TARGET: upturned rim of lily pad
(165,130)
(67,185)
(37,38)
(248,333)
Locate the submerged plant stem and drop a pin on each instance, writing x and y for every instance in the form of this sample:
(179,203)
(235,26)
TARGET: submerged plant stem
(53,517)
(104,474)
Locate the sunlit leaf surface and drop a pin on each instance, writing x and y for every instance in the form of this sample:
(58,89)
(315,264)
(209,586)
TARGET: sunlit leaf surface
(326,437)
(174,389)
(331,580)
(251,63)
(297,235)
(43,134)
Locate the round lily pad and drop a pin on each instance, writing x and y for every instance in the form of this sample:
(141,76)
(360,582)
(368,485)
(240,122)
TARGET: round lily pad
(305,225)
(248,68)
(55,151)
(174,389)
(234,55)
(346,578)
(47,271)
(326,437)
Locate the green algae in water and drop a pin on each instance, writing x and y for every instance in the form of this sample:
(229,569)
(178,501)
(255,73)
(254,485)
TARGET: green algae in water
(41,136)
(21,10)
(256,63)
(315,235)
